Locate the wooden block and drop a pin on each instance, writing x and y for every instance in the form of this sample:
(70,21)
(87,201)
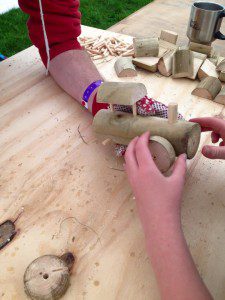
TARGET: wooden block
(201,48)
(222,76)
(165,64)
(146,47)
(183,48)
(221,65)
(198,55)
(124,67)
(183,65)
(169,36)
(147,63)
(197,65)
(165,47)
(172,112)
(207,69)
(220,59)
(220,98)
(214,58)
(162,153)
(208,88)
(123,93)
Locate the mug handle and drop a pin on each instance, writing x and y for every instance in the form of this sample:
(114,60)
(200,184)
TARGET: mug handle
(218,34)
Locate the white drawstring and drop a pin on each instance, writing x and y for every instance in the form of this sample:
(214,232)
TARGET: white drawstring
(45,36)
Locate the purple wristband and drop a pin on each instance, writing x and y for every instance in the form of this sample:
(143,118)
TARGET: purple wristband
(89,90)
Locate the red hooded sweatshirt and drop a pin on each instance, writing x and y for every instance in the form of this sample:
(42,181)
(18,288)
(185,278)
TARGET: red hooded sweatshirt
(63,25)
(62,22)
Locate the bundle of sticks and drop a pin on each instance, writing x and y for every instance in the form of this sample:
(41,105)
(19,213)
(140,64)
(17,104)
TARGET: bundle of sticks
(102,49)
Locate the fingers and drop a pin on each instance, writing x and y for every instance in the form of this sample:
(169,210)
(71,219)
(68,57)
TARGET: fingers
(143,154)
(180,167)
(207,124)
(215,137)
(214,152)
(130,157)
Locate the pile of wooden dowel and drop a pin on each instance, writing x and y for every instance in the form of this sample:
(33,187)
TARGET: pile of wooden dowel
(103,49)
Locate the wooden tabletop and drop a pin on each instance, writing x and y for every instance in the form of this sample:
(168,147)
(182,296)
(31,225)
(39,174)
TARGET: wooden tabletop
(74,196)
(163,14)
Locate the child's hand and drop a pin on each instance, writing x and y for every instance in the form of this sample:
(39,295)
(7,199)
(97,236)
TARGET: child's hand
(217,126)
(158,197)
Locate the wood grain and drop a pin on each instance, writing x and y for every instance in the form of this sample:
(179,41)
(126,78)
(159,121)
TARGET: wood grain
(163,14)
(76,197)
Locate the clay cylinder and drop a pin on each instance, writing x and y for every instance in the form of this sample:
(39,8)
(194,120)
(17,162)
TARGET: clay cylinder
(123,127)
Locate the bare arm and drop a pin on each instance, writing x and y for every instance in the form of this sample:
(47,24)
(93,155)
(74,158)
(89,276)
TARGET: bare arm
(159,202)
(74,71)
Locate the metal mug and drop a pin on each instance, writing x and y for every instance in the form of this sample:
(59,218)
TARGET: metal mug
(204,23)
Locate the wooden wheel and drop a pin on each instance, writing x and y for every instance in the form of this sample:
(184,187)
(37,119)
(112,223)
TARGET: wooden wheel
(162,152)
(47,277)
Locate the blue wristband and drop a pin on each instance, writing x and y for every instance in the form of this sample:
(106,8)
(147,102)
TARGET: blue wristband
(90,89)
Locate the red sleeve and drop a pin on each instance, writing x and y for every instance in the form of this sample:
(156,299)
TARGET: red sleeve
(62,23)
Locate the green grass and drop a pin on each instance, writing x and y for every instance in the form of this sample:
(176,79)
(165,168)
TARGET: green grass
(96,13)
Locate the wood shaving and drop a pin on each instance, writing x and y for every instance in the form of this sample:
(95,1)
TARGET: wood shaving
(103,49)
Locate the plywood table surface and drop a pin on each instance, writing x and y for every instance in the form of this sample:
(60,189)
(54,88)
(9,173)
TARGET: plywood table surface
(75,197)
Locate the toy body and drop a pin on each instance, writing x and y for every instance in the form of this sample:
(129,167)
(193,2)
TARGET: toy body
(122,127)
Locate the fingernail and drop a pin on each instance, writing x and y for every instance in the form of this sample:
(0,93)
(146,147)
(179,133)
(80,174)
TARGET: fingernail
(205,150)
(184,156)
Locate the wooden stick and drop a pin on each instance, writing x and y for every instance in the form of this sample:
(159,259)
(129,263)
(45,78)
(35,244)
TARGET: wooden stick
(201,48)
(134,109)
(207,69)
(94,51)
(121,128)
(220,98)
(123,93)
(128,53)
(146,47)
(147,63)
(111,107)
(222,76)
(182,64)
(165,64)
(208,88)
(125,68)
(169,36)
(172,112)
(105,142)
(96,57)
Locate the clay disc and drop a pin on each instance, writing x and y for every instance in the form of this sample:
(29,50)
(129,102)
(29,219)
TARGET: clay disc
(7,233)
(47,277)
(162,152)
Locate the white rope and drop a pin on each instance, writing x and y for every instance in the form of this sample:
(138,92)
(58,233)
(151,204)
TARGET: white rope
(45,36)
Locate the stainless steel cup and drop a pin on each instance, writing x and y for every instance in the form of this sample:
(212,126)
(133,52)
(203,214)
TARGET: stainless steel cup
(205,21)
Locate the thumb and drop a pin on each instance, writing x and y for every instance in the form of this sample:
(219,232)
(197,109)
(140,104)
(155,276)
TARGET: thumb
(214,152)
(180,166)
